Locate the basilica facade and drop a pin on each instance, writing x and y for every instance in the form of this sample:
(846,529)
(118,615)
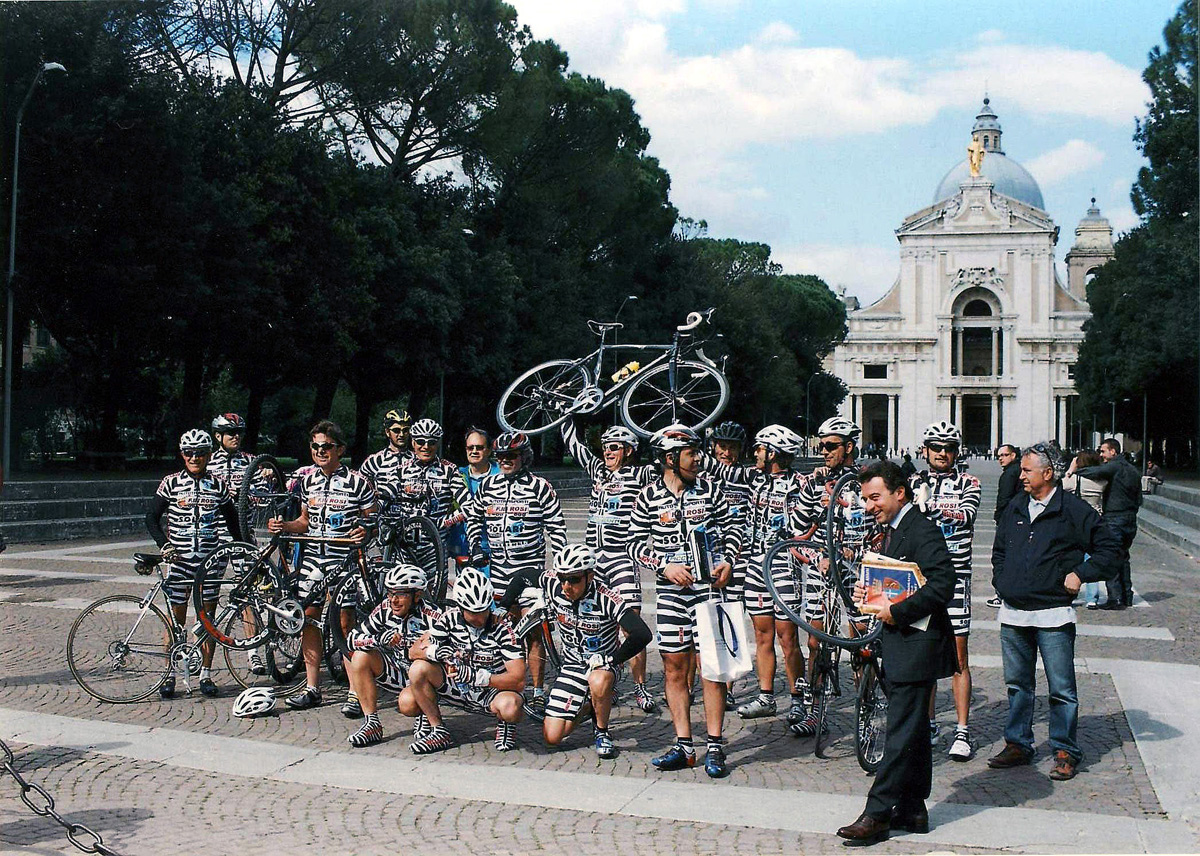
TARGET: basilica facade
(978,328)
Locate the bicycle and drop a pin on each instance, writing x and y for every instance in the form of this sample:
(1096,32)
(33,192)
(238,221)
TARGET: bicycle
(679,385)
(870,708)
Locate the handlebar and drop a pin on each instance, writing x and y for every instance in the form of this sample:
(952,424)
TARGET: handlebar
(695,319)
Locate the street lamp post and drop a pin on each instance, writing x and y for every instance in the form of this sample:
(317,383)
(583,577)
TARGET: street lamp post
(807,410)
(12,265)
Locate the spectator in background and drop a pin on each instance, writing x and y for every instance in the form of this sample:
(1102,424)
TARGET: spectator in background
(908,467)
(479,466)
(1010,486)
(1122,499)
(1090,491)
(1153,477)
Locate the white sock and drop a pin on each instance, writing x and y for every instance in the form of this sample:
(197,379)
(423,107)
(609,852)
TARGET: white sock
(205,673)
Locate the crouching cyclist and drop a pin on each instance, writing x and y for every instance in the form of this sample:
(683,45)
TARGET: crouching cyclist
(383,645)
(589,615)
(474,660)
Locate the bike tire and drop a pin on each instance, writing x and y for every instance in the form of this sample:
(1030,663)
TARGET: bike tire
(237,661)
(285,660)
(870,717)
(361,610)
(332,651)
(698,400)
(261,497)
(843,638)
(829,688)
(418,541)
(542,398)
(243,579)
(114,658)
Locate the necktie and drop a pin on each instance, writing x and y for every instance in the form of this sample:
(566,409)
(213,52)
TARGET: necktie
(887,541)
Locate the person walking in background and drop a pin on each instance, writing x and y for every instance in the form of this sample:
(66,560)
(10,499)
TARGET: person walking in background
(1122,499)
(1090,491)
(1010,486)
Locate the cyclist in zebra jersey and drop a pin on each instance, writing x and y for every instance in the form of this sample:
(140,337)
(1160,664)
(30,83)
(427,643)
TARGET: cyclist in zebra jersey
(380,467)
(229,461)
(336,502)
(949,496)
(196,504)
(522,518)
(590,617)
(669,512)
(616,481)
(838,443)
(473,659)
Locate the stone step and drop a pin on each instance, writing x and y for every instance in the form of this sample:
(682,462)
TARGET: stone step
(17,491)
(1174,533)
(65,529)
(54,509)
(1179,493)
(1180,512)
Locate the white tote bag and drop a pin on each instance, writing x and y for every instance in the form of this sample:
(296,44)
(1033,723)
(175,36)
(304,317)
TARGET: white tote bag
(721,636)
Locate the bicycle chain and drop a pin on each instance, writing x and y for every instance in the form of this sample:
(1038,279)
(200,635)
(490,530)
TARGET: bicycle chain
(46,809)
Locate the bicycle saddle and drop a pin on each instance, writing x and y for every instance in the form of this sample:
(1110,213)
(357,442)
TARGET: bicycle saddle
(599,327)
(148,558)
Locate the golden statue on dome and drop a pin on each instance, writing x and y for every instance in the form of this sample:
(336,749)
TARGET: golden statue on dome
(975,153)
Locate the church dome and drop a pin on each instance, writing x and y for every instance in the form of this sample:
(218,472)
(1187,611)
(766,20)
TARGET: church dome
(1009,177)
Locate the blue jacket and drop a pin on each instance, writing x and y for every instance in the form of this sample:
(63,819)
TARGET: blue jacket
(1031,561)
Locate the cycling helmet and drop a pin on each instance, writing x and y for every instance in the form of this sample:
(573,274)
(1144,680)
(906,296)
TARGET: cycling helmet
(473,590)
(575,559)
(620,434)
(196,439)
(396,417)
(403,577)
(228,423)
(255,701)
(730,432)
(779,438)
(514,441)
(675,437)
(840,426)
(426,429)
(942,432)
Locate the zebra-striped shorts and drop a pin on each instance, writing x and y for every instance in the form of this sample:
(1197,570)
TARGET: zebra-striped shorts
(569,692)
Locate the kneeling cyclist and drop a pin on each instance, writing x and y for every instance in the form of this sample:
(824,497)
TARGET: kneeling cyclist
(382,647)
(474,660)
(589,615)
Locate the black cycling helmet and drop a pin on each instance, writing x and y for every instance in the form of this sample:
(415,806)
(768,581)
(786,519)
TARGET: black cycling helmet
(730,432)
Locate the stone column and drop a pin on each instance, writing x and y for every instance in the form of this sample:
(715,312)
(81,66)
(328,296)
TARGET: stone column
(996,351)
(959,366)
(995,410)
(893,430)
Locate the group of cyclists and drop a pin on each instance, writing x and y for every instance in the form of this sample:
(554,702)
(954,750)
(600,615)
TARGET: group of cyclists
(735,495)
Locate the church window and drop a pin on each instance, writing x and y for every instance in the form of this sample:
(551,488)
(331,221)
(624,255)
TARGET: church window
(875,371)
(977,309)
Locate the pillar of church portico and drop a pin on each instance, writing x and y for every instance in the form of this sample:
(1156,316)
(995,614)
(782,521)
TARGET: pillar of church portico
(995,420)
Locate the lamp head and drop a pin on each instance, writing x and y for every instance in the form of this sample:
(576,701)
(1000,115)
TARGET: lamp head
(53,66)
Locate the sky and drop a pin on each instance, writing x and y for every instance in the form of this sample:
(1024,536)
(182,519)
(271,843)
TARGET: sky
(817,128)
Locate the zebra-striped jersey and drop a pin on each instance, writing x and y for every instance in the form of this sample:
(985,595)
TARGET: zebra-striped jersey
(452,640)
(586,626)
(774,511)
(662,524)
(381,467)
(951,500)
(195,524)
(336,504)
(383,628)
(814,503)
(230,466)
(613,495)
(435,489)
(521,516)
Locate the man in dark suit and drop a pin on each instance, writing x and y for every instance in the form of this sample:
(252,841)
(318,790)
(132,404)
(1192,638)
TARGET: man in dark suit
(1010,478)
(913,659)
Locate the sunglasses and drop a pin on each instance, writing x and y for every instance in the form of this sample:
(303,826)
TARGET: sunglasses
(830,446)
(397,429)
(507,456)
(476,448)
(573,579)
(195,453)
(614,447)
(322,447)
(400,592)
(424,443)
(941,447)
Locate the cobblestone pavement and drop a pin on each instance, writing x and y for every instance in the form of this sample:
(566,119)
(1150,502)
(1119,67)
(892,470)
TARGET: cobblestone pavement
(143,803)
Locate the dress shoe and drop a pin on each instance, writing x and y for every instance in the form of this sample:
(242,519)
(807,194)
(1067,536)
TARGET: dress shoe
(865,831)
(1011,755)
(1112,605)
(911,819)
(1065,767)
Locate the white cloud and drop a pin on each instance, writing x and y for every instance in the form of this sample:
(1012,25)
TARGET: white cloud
(866,270)
(776,32)
(1071,158)
(1122,219)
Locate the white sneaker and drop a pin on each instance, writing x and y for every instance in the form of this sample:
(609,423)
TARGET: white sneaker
(961,748)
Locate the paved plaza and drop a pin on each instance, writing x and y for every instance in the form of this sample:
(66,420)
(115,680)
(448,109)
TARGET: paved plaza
(184,775)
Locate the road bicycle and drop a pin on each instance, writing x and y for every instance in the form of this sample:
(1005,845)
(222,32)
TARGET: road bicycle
(837,625)
(870,708)
(680,385)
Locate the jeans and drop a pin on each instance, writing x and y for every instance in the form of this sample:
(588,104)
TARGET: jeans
(1019,647)
(1120,587)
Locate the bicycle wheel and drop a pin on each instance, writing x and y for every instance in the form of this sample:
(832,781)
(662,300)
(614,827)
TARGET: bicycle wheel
(843,626)
(870,717)
(366,598)
(285,661)
(543,397)
(247,586)
(263,495)
(828,688)
(238,661)
(419,542)
(117,649)
(697,398)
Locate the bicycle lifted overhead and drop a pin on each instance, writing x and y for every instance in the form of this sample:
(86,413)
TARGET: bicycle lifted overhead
(680,385)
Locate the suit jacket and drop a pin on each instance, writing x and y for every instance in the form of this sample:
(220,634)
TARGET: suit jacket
(909,654)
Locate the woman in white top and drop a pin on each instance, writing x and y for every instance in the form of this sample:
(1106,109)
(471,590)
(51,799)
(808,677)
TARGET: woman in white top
(1090,491)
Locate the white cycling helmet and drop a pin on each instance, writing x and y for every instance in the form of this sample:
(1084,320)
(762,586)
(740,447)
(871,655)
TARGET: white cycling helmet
(473,590)
(942,432)
(575,559)
(255,701)
(196,439)
(839,426)
(620,434)
(228,423)
(402,577)
(675,437)
(779,438)
(426,429)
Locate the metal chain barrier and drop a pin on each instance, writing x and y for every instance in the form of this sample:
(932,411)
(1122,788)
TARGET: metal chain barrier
(42,804)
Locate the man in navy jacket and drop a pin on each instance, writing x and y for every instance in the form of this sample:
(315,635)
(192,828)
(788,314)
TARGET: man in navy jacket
(1048,543)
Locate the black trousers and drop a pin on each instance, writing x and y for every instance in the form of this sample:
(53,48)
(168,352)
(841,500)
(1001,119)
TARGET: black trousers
(1120,587)
(905,775)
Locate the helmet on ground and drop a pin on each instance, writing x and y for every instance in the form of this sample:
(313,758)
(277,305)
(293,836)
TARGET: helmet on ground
(228,423)
(396,417)
(404,577)
(196,439)
(255,701)
(942,432)
(619,434)
(675,437)
(779,438)
(730,432)
(839,426)
(514,441)
(574,559)
(473,590)
(426,429)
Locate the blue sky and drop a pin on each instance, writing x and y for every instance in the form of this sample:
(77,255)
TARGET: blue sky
(816,128)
